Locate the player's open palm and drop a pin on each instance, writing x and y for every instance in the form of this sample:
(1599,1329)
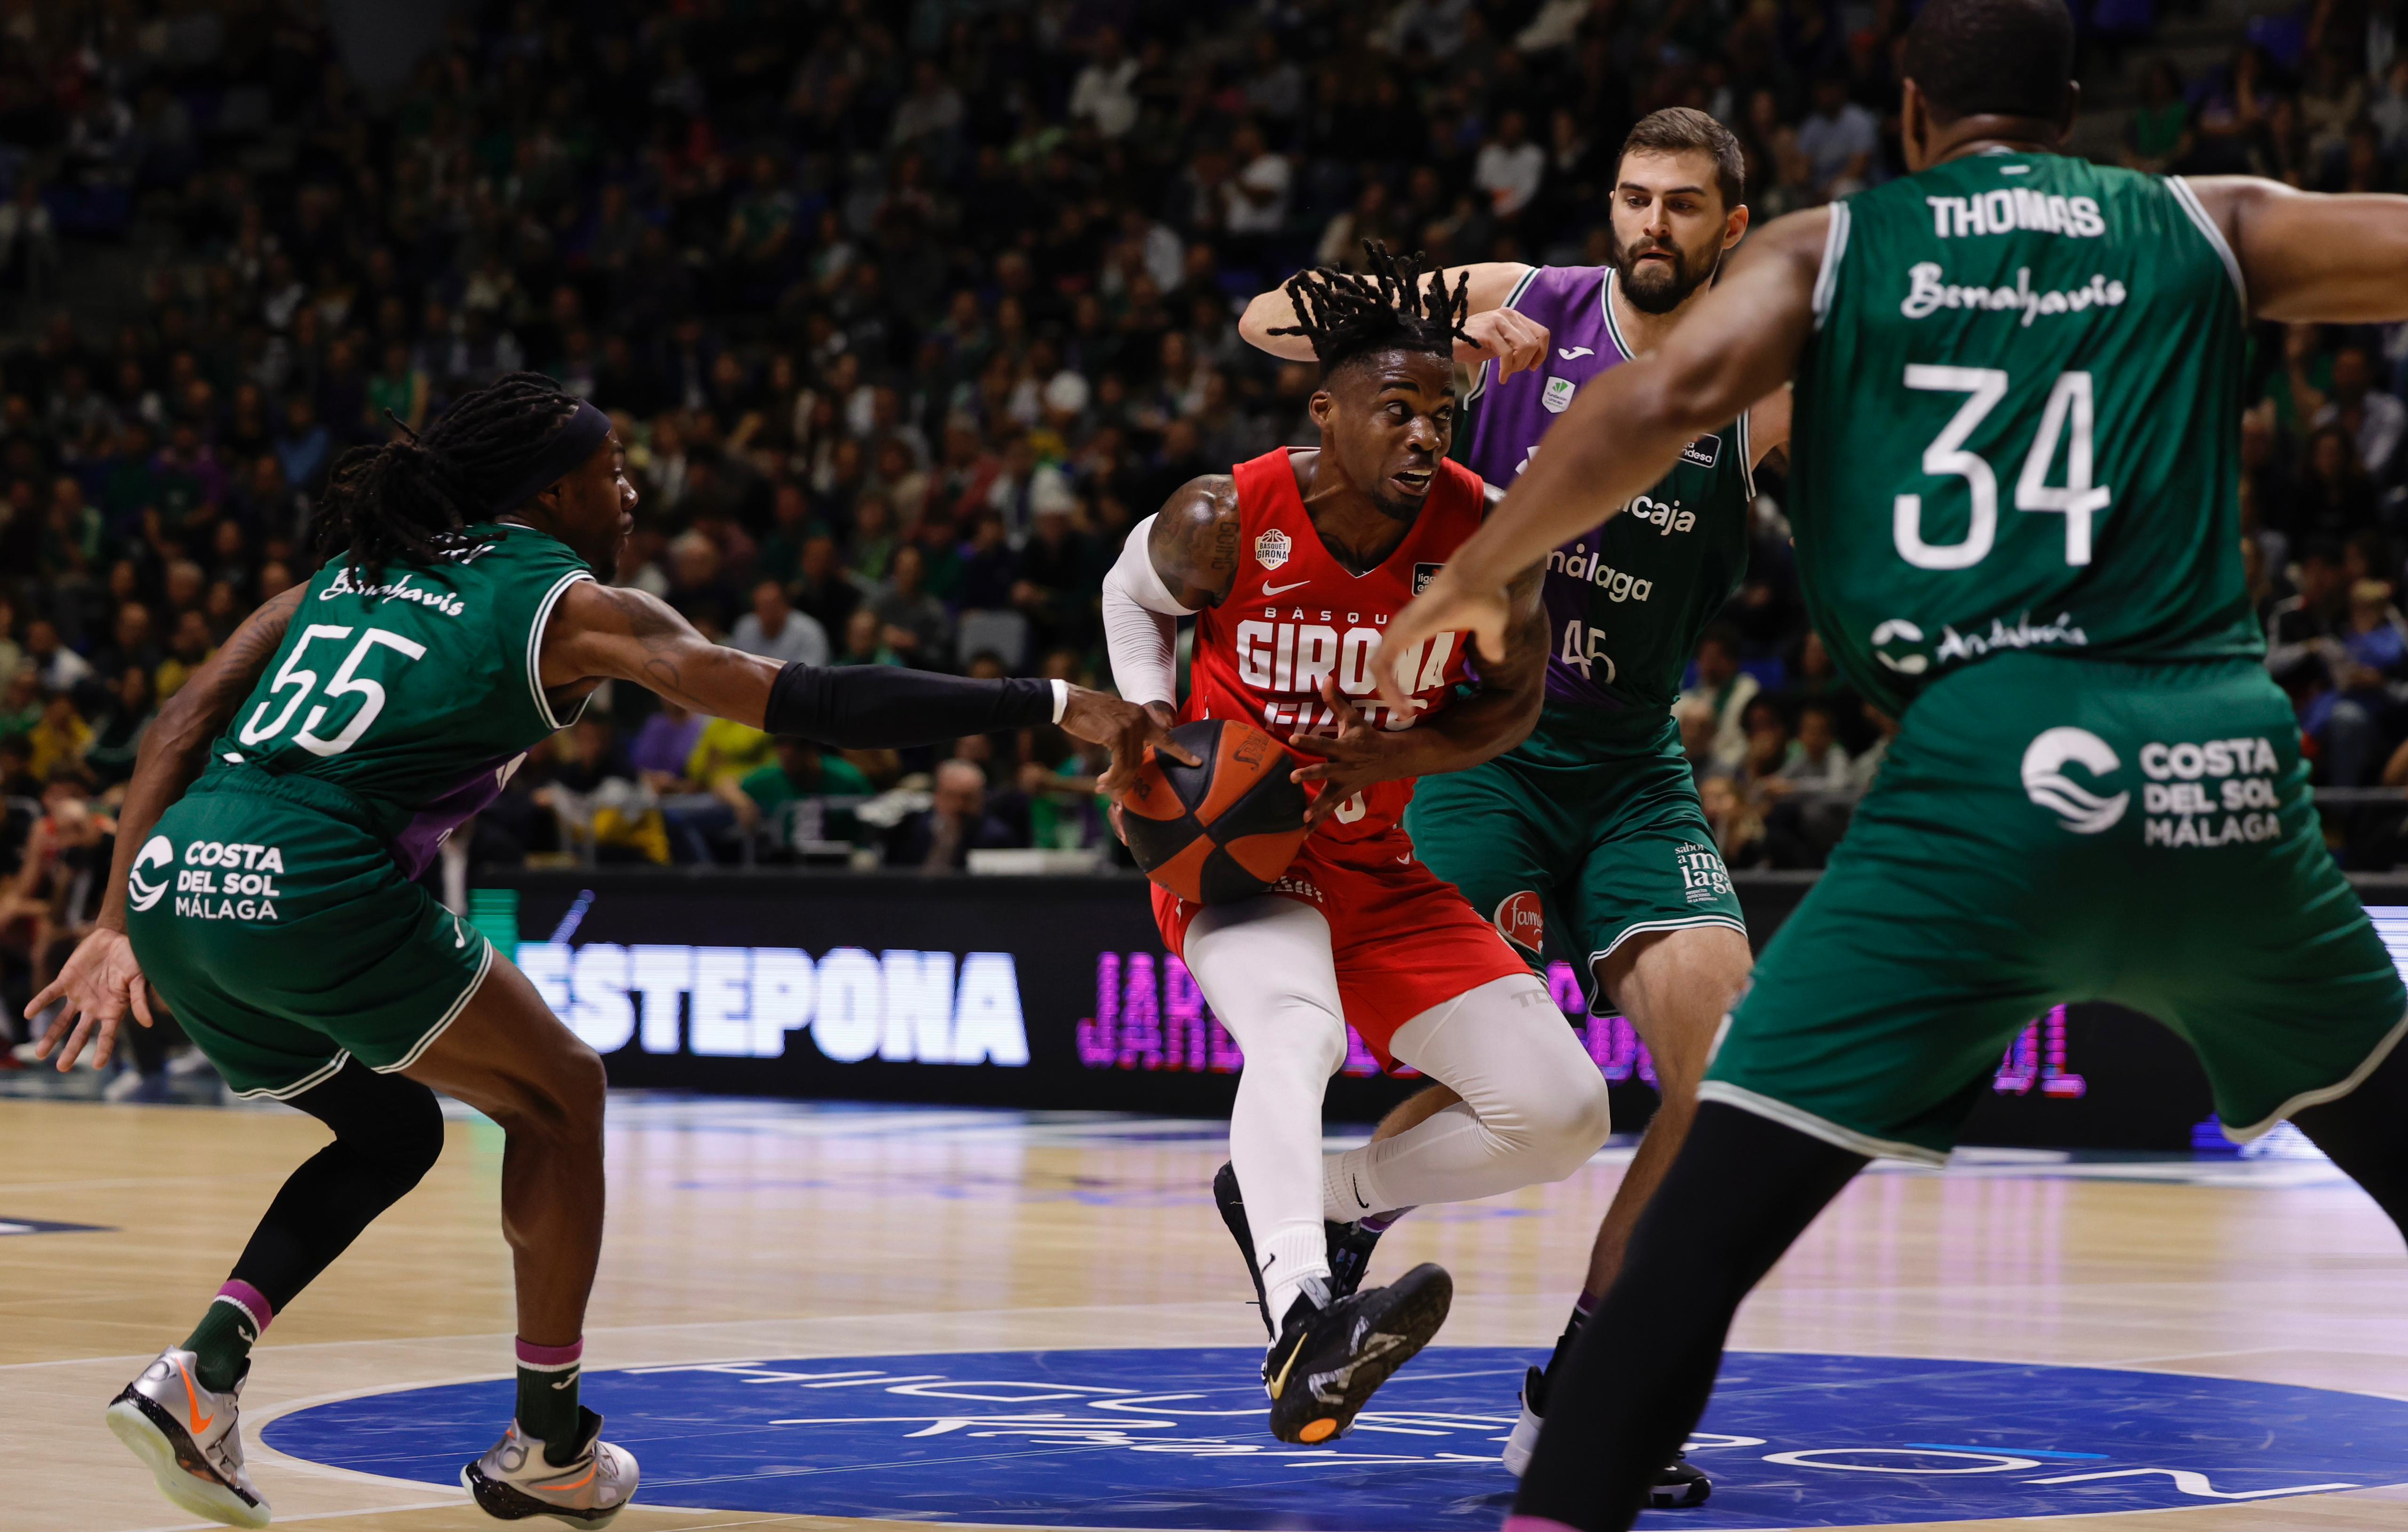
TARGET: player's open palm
(100,983)
(1351,759)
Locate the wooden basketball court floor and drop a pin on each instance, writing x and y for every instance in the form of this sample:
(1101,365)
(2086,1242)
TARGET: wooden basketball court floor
(744,1230)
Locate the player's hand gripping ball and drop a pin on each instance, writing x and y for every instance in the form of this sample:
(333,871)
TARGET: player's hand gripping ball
(1221,831)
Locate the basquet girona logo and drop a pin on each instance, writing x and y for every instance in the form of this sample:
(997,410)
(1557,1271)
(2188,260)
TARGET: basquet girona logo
(1522,921)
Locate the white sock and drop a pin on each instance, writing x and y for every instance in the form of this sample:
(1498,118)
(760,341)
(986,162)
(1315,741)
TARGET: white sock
(1296,1263)
(1533,1108)
(1265,966)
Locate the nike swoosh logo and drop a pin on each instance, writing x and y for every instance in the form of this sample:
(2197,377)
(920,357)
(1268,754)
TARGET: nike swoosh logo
(1575,353)
(1269,588)
(192,1398)
(1356,1187)
(565,1383)
(1280,1383)
(248,1339)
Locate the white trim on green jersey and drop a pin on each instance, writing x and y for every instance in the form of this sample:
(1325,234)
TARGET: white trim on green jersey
(535,643)
(2199,215)
(1835,245)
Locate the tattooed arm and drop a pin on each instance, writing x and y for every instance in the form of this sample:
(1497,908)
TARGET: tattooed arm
(1194,541)
(101,982)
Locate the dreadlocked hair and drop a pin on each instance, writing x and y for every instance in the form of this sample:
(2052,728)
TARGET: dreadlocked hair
(1390,308)
(412,500)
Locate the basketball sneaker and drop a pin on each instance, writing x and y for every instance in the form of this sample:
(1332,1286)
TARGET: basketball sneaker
(1331,1358)
(191,1436)
(1678,1487)
(513,1481)
(1349,1245)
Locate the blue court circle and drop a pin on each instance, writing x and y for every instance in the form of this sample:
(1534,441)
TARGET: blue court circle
(1174,1439)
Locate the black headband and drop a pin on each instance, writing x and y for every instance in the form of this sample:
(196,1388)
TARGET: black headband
(569,446)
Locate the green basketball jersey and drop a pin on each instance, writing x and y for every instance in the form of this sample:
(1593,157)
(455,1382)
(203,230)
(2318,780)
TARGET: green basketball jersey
(2016,423)
(1626,602)
(416,693)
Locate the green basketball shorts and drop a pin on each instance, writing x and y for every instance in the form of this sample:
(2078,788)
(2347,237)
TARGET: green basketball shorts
(2048,829)
(285,938)
(1585,830)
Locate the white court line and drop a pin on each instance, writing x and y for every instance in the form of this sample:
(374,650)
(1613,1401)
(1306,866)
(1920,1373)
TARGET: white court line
(315,1516)
(1213,1308)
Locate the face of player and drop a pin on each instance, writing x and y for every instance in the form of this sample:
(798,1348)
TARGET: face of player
(1386,420)
(593,509)
(1669,227)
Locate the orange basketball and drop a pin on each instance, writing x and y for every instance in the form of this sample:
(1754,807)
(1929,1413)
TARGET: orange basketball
(1221,831)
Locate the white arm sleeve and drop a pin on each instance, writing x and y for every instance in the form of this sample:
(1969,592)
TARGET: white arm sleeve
(1141,623)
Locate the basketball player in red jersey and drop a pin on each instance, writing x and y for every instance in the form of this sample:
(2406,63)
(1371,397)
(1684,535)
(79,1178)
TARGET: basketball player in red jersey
(1294,563)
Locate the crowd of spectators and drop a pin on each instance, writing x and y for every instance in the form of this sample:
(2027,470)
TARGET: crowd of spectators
(907,313)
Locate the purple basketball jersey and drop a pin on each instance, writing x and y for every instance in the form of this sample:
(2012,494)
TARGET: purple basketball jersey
(1509,418)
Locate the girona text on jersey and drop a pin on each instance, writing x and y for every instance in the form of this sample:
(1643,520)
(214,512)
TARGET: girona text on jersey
(1295,617)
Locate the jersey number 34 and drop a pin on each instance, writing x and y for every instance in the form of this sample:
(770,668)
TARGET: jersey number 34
(2067,414)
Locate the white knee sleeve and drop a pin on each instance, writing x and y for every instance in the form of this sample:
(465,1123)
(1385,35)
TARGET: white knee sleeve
(1534,1106)
(1265,965)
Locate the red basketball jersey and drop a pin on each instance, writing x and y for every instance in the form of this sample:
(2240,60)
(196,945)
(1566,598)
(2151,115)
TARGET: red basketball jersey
(1295,614)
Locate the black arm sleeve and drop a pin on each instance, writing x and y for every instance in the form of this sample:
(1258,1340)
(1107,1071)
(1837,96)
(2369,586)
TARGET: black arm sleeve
(871,706)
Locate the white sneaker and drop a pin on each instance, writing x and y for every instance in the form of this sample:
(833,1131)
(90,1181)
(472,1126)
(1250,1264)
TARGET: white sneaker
(1525,1439)
(121,1085)
(513,1481)
(188,1061)
(191,1439)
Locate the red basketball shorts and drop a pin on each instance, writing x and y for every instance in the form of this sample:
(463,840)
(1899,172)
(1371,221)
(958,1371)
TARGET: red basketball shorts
(1404,942)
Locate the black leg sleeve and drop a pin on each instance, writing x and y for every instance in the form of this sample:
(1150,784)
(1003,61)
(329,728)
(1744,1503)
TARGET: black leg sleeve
(1741,1190)
(388,1132)
(2366,1133)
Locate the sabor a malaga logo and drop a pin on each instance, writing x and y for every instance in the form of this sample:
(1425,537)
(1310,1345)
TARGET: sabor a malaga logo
(2082,810)
(157,852)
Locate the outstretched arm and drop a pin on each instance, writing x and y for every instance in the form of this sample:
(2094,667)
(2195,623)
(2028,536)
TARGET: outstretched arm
(1626,430)
(1515,341)
(1490,721)
(101,982)
(607,631)
(2309,258)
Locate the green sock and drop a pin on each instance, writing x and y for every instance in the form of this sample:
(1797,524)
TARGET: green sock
(221,1346)
(547,1408)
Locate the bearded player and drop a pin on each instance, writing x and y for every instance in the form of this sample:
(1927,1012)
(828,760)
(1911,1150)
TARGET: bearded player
(1592,826)
(2020,378)
(1294,564)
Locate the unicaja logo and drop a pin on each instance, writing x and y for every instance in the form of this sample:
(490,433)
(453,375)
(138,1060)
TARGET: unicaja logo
(157,852)
(2082,811)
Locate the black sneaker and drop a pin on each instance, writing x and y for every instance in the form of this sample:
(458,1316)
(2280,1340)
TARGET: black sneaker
(1232,1204)
(1677,1488)
(1350,1245)
(1329,1361)
(1350,1255)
